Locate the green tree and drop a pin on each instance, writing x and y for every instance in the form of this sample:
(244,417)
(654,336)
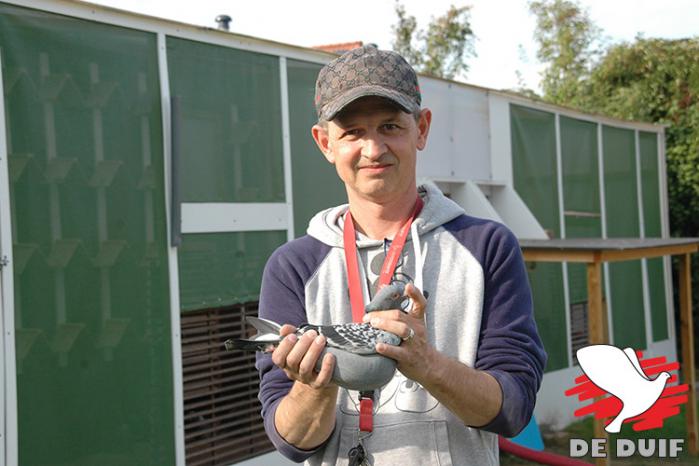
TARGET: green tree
(440,50)
(567,40)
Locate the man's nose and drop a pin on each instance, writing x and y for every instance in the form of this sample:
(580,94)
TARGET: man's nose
(373,147)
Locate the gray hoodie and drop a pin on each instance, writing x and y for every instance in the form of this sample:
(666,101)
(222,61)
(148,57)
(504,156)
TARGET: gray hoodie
(479,311)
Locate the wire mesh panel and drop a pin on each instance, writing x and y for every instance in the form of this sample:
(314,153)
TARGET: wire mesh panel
(582,212)
(581,194)
(534,167)
(92,307)
(650,182)
(231,128)
(218,269)
(316,185)
(621,204)
(221,410)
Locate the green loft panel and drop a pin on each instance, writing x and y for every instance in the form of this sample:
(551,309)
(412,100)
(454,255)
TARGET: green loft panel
(650,183)
(219,269)
(622,222)
(534,167)
(231,127)
(546,281)
(579,164)
(92,308)
(316,185)
(534,163)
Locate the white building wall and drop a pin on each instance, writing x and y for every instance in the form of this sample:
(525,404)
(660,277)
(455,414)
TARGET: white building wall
(458,145)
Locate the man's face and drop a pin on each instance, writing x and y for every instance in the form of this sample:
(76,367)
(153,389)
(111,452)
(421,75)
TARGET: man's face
(373,146)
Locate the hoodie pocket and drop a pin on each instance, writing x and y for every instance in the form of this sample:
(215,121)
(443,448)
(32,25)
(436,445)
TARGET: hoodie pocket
(418,442)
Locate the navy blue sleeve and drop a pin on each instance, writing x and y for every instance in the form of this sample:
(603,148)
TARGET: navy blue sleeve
(509,348)
(282,300)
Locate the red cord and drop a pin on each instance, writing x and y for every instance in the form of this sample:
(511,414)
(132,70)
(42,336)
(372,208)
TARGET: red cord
(541,457)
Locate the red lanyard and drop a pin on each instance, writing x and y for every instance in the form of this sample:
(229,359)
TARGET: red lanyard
(389,263)
(366,401)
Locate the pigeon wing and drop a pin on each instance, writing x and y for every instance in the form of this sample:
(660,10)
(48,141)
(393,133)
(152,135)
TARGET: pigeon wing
(353,338)
(264,325)
(631,354)
(606,366)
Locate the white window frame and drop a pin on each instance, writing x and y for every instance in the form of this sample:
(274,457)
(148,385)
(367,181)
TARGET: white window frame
(8,384)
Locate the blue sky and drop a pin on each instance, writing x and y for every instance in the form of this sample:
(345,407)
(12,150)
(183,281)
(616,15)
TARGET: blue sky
(503,28)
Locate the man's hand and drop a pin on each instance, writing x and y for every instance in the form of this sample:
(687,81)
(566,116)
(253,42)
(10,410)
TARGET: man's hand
(415,354)
(474,396)
(306,415)
(298,357)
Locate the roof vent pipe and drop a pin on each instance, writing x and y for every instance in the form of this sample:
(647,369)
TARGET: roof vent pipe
(224,22)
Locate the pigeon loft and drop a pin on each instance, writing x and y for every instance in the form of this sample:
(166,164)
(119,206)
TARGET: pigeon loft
(134,232)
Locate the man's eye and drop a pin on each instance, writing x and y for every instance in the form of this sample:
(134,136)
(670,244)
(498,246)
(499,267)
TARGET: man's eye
(390,126)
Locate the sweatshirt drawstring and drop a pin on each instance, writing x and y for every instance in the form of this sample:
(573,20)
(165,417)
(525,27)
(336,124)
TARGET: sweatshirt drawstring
(419,256)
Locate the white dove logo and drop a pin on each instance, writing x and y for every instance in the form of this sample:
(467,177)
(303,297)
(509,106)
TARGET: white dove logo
(619,373)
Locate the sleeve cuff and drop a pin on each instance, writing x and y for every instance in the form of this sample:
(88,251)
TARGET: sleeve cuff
(515,411)
(288,450)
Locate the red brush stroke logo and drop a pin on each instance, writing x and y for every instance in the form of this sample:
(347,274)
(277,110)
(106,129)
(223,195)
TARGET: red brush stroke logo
(607,406)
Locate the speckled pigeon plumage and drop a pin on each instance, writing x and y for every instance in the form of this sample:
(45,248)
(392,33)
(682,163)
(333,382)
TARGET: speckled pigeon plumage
(358,366)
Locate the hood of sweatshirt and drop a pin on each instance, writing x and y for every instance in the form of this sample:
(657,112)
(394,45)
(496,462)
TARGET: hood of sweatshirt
(326,225)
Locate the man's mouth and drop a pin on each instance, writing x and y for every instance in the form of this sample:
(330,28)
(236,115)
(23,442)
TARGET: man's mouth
(377,167)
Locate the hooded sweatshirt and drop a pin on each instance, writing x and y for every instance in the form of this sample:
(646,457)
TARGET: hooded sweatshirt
(479,311)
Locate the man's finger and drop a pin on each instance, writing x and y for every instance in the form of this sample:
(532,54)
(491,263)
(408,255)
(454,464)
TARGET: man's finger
(308,363)
(295,356)
(390,351)
(417,310)
(326,371)
(287,329)
(283,349)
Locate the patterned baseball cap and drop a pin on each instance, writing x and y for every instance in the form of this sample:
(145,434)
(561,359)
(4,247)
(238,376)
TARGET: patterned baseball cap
(366,71)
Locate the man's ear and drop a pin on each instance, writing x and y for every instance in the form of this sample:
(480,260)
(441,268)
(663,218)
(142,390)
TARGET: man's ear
(320,136)
(423,127)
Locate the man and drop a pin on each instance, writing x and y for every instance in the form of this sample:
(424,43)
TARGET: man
(471,361)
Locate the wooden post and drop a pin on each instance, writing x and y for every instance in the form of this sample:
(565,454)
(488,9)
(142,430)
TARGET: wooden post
(595,311)
(687,330)
(596,331)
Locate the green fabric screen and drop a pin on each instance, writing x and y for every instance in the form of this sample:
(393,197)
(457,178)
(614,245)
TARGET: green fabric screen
(316,185)
(650,182)
(621,202)
(231,130)
(534,167)
(92,308)
(219,269)
(581,193)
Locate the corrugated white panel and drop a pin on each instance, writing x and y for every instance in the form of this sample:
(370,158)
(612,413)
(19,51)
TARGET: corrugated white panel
(458,147)
(436,160)
(470,129)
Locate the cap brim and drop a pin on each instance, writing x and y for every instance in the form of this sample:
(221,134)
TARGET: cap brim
(335,106)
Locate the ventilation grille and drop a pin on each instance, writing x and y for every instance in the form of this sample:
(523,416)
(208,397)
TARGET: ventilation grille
(578,328)
(222,422)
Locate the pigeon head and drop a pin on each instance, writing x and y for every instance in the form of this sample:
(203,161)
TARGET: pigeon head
(391,296)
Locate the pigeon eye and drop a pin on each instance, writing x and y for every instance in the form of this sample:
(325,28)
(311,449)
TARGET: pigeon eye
(395,296)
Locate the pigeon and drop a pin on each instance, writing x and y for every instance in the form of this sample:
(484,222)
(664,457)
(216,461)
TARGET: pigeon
(619,373)
(357,364)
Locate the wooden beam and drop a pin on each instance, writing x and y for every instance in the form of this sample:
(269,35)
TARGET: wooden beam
(534,254)
(596,331)
(688,369)
(557,255)
(611,255)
